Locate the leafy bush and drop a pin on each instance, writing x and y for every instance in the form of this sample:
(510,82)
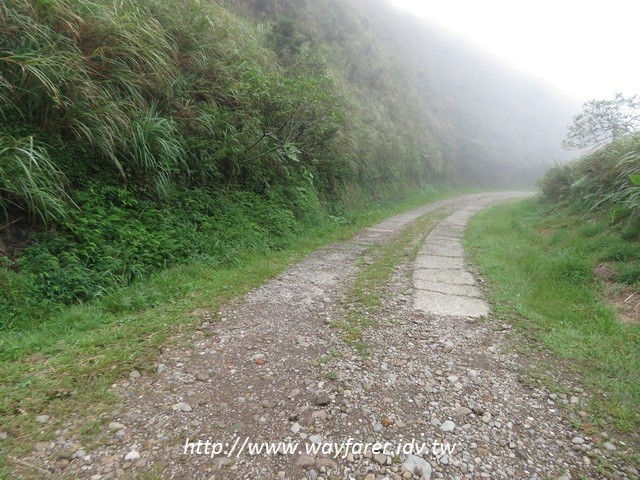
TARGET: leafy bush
(114,239)
(139,82)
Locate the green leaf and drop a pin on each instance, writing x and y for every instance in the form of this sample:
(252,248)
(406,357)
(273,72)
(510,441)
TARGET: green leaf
(291,151)
(635,178)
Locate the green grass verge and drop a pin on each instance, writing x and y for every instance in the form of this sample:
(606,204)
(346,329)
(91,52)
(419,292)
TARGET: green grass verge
(68,364)
(540,267)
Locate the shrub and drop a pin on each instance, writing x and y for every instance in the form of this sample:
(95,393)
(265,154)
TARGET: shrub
(557,182)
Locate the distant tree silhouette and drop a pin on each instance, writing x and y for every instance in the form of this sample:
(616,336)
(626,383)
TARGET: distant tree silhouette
(604,121)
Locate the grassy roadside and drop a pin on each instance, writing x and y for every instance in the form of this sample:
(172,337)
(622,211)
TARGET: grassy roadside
(68,364)
(369,286)
(540,268)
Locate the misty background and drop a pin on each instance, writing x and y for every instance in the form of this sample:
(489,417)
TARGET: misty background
(476,119)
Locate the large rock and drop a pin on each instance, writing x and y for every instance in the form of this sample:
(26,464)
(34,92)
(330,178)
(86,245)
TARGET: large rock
(418,466)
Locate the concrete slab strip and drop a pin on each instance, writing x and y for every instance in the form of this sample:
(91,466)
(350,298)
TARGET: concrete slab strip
(451,277)
(442,251)
(447,288)
(450,305)
(441,263)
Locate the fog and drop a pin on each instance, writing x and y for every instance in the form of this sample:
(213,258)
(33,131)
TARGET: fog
(584,49)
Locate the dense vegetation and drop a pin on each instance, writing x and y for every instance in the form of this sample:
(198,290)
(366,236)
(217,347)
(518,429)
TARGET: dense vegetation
(603,188)
(605,180)
(140,134)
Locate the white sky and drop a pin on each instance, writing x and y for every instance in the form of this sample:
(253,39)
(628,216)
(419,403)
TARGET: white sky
(587,49)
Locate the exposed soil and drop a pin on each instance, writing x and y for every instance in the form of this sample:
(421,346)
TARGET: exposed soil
(626,301)
(624,298)
(15,236)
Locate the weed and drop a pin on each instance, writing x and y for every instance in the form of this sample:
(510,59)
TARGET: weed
(631,232)
(621,251)
(629,274)
(323,360)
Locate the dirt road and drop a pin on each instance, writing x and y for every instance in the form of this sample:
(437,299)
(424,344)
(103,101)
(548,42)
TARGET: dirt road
(439,389)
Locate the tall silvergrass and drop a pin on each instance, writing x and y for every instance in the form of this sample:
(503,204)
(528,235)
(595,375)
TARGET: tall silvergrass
(128,78)
(156,150)
(601,180)
(169,93)
(29,180)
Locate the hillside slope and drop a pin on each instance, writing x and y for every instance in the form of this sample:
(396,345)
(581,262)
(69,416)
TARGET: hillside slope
(142,134)
(474,119)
